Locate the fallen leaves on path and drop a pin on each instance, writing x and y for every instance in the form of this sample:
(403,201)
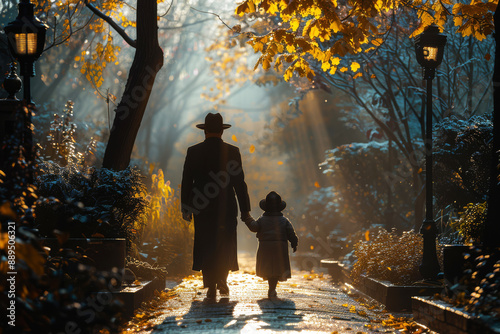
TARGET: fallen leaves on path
(147,311)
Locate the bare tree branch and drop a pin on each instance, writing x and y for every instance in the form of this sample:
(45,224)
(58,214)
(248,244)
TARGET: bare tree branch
(168,10)
(183,25)
(217,15)
(112,23)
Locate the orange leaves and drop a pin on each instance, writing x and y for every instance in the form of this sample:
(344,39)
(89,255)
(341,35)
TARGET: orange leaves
(301,67)
(474,19)
(319,21)
(252,149)
(95,60)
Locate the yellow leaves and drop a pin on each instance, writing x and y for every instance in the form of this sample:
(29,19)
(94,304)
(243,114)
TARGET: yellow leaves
(290,48)
(258,46)
(280,163)
(301,67)
(317,22)
(252,148)
(367,235)
(313,32)
(266,64)
(234,138)
(426,19)
(336,61)
(295,23)
(242,8)
(343,69)
(335,25)
(355,66)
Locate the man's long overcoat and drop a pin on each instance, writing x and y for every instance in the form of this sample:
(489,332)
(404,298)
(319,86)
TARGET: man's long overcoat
(212,175)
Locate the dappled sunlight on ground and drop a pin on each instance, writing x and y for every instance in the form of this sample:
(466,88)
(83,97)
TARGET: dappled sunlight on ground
(308,302)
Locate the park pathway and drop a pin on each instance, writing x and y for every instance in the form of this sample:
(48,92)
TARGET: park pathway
(307,303)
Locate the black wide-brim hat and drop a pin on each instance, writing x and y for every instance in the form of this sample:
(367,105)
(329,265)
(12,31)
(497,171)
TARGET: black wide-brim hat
(213,123)
(272,203)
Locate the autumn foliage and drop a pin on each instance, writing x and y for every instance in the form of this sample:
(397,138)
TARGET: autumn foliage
(390,257)
(326,31)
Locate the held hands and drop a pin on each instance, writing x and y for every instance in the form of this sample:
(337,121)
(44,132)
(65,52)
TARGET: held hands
(246,217)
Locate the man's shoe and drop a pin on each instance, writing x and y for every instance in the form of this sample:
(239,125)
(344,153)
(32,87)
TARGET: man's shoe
(223,288)
(272,294)
(211,293)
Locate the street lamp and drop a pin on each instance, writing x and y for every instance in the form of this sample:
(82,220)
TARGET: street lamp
(26,39)
(429,47)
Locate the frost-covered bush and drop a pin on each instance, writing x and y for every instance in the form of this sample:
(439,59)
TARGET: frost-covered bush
(64,140)
(87,202)
(363,179)
(52,292)
(390,257)
(321,210)
(462,153)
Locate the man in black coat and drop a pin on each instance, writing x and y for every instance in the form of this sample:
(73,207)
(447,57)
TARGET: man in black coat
(212,175)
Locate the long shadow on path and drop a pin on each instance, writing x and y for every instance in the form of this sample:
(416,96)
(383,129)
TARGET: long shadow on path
(209,316)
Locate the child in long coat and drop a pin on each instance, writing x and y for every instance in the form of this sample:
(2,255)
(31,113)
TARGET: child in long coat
(273,231)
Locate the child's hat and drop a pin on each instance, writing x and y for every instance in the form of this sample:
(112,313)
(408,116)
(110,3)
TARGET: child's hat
(272,203)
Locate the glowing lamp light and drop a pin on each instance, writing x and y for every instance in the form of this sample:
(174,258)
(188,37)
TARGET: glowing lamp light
(26,40)
(26,34)
(429,49)
(430,53)
(26,44)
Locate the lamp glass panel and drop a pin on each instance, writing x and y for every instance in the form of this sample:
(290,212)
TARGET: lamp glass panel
(26,43)
(430,53)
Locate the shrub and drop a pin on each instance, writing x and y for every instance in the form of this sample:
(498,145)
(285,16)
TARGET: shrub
(362,181)
(60,141)
(54,292)
(478,290)
(91,202)
(462,155)
(470,223)
(51,291)
(389,257)
(144,270)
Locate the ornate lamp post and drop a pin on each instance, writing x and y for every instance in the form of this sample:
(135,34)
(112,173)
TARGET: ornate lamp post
(26,39)
(429,47)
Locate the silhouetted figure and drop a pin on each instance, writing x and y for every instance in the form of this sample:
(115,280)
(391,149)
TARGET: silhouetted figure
(273,231)
(212,175)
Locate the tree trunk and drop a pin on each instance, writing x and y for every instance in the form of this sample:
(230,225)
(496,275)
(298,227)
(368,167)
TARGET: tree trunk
(148,60)
(492,225)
